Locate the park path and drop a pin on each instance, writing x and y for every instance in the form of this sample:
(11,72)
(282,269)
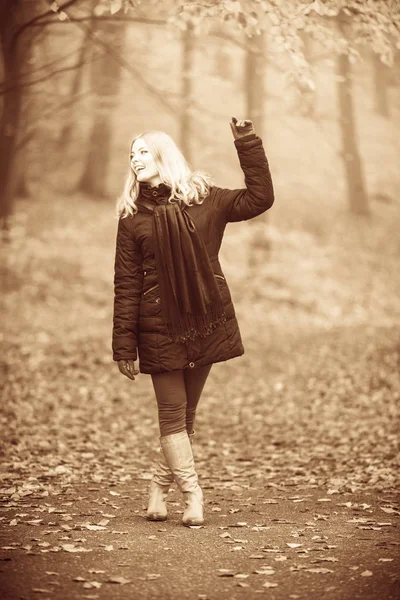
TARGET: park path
(297,452)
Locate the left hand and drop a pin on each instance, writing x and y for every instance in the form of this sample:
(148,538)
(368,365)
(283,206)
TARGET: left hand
(127,368)
(241,128)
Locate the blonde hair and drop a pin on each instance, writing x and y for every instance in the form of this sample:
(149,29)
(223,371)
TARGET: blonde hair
(189,186)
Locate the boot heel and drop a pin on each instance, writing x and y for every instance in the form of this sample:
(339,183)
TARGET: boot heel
(179,456)
(193,514)
(157,507)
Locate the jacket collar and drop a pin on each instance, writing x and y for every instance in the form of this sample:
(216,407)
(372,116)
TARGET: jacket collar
(151,196)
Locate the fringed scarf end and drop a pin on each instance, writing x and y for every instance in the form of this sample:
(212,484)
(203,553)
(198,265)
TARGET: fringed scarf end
(195,326)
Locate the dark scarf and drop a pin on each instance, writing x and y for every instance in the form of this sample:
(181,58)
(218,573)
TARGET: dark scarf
(191,303)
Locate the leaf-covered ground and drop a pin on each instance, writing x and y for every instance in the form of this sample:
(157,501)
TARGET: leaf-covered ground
(296,442)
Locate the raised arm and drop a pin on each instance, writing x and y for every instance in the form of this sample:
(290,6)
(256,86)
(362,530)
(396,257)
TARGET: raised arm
(258,195)
(128,281)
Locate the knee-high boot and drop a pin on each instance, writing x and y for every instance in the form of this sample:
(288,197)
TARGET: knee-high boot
(159,487)
(179,456)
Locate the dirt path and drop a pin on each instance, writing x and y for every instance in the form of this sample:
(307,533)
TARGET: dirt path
(299,465)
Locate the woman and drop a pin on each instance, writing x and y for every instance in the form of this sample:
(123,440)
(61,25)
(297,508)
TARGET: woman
(172,303)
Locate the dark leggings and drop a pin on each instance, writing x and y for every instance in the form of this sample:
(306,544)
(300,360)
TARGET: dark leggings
(178,393)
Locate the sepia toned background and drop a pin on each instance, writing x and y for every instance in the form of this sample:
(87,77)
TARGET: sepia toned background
(310,412)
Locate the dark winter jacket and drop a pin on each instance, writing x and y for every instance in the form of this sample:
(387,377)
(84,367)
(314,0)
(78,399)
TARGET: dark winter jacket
(138,326)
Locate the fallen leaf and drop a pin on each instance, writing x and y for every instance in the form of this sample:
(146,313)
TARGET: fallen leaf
(366,573)
(319,570)
(264,571)
(96,571)
(118,579)
(325,559)
(389,510)
(73,548)
(225,573)
(92,584)
(34,522)
(386,559)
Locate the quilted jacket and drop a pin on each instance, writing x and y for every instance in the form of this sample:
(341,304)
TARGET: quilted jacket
(137,323)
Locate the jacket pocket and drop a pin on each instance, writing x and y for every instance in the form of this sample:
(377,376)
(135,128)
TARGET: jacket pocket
(152,294)
(223,289)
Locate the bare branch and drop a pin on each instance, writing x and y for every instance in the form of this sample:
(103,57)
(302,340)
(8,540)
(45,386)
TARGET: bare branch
(48,64)
(38,18)
(102,18)
(44,115)
(171,108)
(44,78)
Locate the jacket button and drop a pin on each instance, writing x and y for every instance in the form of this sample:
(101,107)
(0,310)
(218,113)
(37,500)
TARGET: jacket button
(154,193)
(191,365)
(157,300)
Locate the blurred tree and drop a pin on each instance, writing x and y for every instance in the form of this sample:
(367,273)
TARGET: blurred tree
(374,22)
(380,86)
(70,119)
(14,54)
(223,59)
(105,77)
(254,81)
(254,87)
(188,52)
(307,91)
(356,189)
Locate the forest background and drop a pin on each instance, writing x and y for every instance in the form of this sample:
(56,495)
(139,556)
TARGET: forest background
(315,281)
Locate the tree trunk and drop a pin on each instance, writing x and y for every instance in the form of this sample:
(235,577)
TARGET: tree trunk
(380,86)
(356,190)
(22,189)
(223,59)
(254,82)
(254,86)
(106,77)
(307,95)
(14,52)
(70,119)
(188,49)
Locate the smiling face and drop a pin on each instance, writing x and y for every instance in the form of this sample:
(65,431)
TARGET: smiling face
(143,163)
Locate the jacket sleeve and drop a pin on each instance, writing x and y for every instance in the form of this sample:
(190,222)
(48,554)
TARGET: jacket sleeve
(258,196)
(128,282)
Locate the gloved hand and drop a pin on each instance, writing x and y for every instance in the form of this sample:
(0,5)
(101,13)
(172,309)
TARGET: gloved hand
(241,128)
(127,367)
